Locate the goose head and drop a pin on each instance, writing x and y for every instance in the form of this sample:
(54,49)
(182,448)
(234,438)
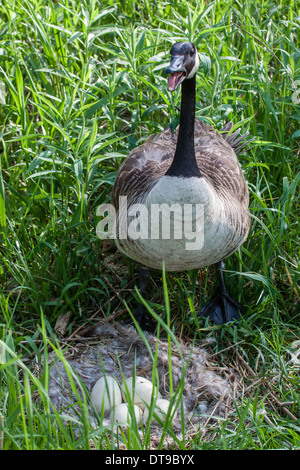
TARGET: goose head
(184,64)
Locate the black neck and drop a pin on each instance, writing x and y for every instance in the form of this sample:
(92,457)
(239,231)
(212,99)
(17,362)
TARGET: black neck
(184,163)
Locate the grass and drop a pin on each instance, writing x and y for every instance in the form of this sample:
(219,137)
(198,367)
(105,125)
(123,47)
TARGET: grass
(81,84)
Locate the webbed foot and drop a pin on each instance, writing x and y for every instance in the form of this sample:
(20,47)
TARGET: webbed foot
(141,315)
(221,308)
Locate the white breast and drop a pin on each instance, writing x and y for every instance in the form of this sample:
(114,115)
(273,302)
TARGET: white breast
(180,222)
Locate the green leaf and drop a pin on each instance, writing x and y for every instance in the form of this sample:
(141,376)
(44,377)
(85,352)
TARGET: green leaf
(296,134)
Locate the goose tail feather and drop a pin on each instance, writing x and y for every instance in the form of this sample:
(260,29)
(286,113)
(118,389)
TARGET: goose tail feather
(233,141)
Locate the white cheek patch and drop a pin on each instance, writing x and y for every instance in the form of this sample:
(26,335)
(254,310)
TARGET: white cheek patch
(195,68)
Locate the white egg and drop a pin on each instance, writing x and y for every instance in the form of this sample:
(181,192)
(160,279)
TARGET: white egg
(160,409)
(120,414)
(105,394)
(142,390)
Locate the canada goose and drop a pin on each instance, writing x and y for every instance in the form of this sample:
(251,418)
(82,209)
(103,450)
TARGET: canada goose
(197,167)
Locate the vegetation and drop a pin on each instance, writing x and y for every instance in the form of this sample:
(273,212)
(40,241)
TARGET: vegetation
(81,84)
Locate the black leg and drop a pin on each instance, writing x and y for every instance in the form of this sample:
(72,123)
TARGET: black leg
(221,308)
(144,278)
(141,314)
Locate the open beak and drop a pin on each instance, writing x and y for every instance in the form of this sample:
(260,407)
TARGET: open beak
(177,72)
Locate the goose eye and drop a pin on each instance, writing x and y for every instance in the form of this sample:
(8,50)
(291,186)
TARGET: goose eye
(192,52)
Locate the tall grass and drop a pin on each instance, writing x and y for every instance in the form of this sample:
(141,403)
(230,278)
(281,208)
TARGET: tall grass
(81,84)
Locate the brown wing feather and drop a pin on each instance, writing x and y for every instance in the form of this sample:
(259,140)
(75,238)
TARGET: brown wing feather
(146,164)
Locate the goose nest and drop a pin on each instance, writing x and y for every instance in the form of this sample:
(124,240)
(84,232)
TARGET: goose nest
(115,350)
